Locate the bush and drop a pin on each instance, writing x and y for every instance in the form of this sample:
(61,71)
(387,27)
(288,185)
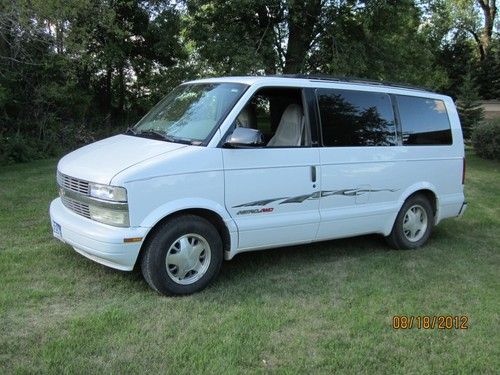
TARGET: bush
(486,140)
(17,149)
(58,139)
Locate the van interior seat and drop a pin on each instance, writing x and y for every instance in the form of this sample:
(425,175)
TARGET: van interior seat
(290,128)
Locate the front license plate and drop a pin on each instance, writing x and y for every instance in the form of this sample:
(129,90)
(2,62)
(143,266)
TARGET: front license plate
(56,229)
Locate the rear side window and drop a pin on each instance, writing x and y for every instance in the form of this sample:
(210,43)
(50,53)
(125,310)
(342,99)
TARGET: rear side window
(424,121)
(356,118)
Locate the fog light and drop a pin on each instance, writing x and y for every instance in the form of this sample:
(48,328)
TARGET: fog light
(109,216)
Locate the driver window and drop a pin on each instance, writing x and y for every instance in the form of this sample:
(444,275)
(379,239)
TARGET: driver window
(279,115)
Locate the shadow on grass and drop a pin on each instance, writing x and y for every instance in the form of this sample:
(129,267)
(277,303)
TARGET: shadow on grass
(250,269)
(319,252)
(279,272)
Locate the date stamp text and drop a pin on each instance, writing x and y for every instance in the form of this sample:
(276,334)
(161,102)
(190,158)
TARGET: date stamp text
(430,322)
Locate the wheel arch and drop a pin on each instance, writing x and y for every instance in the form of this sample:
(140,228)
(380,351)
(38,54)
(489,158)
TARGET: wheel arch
(425,188)
(431,196)
(428,190)
(223,223)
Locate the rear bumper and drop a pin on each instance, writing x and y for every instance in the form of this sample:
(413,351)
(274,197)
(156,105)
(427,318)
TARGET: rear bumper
(462,209)
(101,243)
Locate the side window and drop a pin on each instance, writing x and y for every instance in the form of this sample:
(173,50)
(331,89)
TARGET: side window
(356,118)
(424,121)
(279,114)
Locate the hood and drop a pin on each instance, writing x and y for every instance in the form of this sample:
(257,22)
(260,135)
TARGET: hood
(100,161)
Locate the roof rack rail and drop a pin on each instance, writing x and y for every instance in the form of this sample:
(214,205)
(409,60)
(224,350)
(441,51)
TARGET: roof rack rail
(326,77)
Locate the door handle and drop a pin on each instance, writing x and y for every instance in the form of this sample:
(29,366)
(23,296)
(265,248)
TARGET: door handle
(313,173)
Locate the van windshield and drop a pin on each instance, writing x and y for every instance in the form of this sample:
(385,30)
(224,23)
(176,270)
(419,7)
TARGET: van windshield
(189,113)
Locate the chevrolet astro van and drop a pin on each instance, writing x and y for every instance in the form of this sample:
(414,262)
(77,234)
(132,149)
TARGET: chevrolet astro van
(222,166)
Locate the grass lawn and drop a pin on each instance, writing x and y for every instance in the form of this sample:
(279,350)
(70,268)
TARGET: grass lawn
(320,308)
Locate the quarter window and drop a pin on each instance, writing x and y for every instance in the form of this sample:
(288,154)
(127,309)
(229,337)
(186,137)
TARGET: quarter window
(424,121)
(356,118)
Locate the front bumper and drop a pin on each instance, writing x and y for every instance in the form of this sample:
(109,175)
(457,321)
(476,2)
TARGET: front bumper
(101,243)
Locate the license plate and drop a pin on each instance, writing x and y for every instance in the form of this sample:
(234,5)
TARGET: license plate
(56,229)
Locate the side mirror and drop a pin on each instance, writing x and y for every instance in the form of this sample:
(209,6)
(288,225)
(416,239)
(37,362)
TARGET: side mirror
(245,137)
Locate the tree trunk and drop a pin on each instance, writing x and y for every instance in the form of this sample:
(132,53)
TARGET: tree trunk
(302,17)
(489,12)
(479,43)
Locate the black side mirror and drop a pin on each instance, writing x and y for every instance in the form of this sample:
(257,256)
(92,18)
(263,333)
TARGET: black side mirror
(245,137)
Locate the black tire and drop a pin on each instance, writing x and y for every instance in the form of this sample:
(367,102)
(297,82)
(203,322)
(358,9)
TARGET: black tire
(397,238)
(153,262)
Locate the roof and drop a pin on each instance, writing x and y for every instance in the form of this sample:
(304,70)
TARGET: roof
(302,79)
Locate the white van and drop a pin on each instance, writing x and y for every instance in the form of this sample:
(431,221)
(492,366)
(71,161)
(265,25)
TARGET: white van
(226,165)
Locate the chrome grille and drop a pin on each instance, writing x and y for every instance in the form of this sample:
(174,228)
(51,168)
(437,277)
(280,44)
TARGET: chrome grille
(77,207)
(73,184)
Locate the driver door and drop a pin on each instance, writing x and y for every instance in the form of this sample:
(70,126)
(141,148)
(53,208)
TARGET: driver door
(272,193)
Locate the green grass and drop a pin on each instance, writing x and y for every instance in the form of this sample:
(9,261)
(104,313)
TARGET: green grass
(320,308)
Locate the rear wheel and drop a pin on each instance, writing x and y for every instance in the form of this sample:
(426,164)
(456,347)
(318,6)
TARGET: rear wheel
(183,256)
(413,225)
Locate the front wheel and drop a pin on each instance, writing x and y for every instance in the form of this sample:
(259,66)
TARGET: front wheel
(183,256)
(413,225)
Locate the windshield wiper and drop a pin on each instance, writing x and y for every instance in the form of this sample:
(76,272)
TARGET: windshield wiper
(152,134)
(130,130)
(159,135)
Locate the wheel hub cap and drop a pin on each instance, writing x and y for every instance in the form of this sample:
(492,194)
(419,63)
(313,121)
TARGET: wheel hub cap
(415,223)
(188,259)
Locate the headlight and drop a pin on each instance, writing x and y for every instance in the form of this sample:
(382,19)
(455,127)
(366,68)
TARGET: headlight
(109,216)
(109,193)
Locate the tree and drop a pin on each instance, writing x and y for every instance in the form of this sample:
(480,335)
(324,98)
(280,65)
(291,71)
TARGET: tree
(477,17)
(233,37)
(69,66)
(468,106)
(301,18)
(487,74)
(456,56)
(489,10)
(382,40)
(254,35)
(459,25)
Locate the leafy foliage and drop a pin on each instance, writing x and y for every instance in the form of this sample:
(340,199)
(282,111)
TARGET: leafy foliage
(486,140)
(468,107)
(488,74)
(76,70)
